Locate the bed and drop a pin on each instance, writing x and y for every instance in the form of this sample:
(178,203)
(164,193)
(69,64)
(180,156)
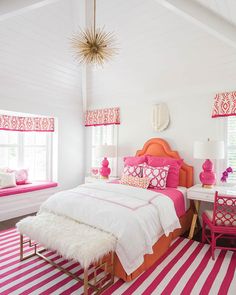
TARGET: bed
(160,147)
(111,207)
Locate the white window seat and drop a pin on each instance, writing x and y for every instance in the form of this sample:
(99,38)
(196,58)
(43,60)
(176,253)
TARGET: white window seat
(24,199)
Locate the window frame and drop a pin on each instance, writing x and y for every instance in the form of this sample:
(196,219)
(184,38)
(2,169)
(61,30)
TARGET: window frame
(114,141)
(228,148)
(21,152)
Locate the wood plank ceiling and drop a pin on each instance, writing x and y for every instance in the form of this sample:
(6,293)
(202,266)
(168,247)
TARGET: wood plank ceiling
(35,56)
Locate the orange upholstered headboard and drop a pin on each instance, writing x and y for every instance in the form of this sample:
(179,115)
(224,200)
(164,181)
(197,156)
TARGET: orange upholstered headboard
(160,148)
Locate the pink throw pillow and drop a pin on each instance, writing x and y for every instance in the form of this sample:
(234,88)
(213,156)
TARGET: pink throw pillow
(21,176)
(142,182)
(157,176)
(135,171)
(134,161)
(174,168)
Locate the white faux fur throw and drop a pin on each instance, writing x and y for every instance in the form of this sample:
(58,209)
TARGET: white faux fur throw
(71,239)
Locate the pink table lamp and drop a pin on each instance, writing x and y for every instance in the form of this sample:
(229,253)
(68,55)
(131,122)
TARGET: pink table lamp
(208,150)
(106,151)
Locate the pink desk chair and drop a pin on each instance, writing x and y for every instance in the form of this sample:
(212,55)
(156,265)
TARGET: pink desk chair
(221,222)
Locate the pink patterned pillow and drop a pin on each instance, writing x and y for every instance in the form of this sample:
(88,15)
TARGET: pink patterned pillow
(135,171)
(142,182)
(157,176)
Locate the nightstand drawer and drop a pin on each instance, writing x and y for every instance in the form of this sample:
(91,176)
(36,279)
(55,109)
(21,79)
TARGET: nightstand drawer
(201,196)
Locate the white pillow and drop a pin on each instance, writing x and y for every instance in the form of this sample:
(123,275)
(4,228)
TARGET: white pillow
(7,180)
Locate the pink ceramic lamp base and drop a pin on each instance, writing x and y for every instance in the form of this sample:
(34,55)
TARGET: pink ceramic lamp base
(105,170)
(208,176)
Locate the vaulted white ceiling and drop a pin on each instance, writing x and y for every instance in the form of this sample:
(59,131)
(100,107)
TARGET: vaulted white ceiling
(36,60)
(160,52)
(224,8)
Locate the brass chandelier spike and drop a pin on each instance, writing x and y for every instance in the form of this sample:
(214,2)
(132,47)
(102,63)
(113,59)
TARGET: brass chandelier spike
(94,45)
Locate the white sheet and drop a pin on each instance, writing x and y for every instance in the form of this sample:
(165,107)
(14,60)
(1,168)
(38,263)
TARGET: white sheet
(136,217)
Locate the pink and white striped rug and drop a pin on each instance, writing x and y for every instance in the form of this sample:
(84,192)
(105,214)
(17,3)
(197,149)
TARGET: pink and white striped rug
(187,268)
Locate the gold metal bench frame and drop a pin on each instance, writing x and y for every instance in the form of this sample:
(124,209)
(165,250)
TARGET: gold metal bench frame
(105,265)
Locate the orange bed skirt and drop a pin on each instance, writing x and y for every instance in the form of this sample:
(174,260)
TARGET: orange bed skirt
(159,248)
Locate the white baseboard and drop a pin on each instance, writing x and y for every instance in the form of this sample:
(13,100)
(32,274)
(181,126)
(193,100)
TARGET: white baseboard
(22,204)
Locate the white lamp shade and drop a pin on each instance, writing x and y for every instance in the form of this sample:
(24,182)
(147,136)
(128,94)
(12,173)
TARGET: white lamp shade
(105,150)
(208,150)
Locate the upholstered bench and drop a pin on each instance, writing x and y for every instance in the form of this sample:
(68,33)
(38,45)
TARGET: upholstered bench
(72,240)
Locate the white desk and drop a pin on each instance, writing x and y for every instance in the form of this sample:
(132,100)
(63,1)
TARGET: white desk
(90,179)
(199,194)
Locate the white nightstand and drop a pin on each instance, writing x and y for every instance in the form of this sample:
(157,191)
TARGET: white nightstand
(199,194)
(90,179)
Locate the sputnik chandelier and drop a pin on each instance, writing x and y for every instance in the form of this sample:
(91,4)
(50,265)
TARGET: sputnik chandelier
(94,45)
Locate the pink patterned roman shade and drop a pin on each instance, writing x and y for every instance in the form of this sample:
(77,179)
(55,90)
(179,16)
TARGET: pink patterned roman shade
(224,105)
(109,116)
(24,124)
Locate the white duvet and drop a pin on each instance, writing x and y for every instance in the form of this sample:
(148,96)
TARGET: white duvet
(135,216)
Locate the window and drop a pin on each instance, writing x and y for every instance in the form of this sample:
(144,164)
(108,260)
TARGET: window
(104,135)
(31,150)
(231,147)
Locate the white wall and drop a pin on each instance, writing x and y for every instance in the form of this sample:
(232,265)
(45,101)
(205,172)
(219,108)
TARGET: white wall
(190,120)
(38,75)
(162,58)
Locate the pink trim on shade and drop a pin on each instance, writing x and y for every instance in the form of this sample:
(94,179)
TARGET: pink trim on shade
(23,130)
(90,125)
(228,115)
(26,188)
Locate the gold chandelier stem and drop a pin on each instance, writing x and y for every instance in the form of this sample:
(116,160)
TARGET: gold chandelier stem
(94,16)
(94,46)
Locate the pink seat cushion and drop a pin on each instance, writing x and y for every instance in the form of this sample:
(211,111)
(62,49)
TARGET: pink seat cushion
(174,167)
(25,188)
(134,161)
